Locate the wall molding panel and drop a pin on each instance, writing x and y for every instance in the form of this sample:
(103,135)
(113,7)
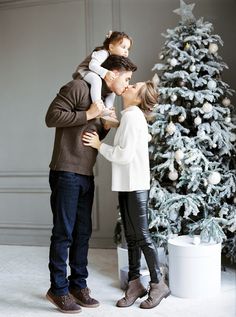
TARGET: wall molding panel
(13,4)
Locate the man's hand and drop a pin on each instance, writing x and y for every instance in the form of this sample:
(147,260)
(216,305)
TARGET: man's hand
(95,109)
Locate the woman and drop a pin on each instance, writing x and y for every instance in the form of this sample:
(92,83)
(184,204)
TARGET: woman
(131,178)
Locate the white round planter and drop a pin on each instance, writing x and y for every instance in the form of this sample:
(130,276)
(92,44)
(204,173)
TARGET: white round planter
(194,269)
(123,266)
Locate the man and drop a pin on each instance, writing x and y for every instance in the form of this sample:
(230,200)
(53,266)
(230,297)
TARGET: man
(72,183)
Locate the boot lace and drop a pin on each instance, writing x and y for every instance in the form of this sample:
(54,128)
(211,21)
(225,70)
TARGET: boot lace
(66,299)
(86,291)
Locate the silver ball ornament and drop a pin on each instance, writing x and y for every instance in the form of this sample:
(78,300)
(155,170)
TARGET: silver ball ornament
(207,107)
(192,68)
(171,128)
(179,155)
(197,120)
(173,175)
(173,97)
(181,118)
(226,102)
(211,85)
(173,62)
(213,48)
(233,137)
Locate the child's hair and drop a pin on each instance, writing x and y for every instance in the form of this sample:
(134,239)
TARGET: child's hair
(148,94)
(113,38)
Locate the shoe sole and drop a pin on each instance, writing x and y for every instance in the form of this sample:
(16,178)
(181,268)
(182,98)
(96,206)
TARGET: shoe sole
(62,310)
(85,305)
(144,294)
(165,296)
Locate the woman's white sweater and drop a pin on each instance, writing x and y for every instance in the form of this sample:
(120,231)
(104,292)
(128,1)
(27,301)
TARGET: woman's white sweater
(129,154)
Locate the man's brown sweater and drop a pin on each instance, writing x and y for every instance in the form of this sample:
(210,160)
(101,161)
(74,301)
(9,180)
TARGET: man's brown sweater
(67,113)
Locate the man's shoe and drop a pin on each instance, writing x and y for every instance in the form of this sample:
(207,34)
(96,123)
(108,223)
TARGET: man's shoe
(83,297)
(65,303)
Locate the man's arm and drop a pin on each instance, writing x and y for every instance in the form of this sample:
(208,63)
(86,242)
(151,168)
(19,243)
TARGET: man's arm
(62,112)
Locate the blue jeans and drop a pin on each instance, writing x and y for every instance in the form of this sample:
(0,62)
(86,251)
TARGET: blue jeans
(71,203)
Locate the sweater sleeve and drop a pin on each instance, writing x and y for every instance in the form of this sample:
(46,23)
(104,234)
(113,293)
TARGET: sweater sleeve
(97,58)
(124,151)
(62,113)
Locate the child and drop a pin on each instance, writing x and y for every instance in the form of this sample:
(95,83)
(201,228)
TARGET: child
(116,43)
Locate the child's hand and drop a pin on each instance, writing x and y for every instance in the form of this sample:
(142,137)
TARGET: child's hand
(91,139)
(110,75)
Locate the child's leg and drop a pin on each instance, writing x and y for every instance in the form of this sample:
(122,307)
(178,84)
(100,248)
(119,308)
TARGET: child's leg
(96,85)
(109,100)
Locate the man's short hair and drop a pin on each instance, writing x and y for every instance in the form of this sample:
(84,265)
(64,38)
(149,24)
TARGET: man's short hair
(120,63)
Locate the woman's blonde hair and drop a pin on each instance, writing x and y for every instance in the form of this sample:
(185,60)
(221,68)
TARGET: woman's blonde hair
(148,94)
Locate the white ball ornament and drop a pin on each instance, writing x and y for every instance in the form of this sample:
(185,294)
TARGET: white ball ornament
(226,102)
(179,155)
(232,137)
(173,175)
(196,240)
(211,85)
(197,120)
(214,178)
(161,56)
(192,68)
(214,145)
(181,118)
(173,62)
(207,107)
(173,97)
(213,48)
(171,128)
(234,200)
(227,119)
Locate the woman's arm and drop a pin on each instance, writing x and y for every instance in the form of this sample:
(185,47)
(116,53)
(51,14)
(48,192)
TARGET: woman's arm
(124,151)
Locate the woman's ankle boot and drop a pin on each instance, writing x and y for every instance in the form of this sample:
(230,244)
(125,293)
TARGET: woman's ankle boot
(134,291)
(157,292)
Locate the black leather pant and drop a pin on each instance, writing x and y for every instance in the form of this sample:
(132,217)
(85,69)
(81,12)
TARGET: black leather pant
(133,209)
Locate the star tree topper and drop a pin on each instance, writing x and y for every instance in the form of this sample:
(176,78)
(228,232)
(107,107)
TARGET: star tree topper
(185,11)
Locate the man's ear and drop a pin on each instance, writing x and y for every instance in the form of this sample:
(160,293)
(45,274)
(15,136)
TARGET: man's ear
(117,73)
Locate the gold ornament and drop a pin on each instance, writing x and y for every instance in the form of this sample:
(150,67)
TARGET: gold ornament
(187,46)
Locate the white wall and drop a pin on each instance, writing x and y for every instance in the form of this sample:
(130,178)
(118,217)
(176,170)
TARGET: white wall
(41,42)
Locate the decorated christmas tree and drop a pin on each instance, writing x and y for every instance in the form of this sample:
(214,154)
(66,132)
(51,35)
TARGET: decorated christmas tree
(193,186)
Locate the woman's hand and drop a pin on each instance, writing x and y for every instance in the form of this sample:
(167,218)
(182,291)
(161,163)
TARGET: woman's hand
(91,139)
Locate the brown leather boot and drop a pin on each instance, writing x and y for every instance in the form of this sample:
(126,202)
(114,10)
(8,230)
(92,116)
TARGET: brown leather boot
(157,292)
(83,297)
(65,303)
(134,291)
